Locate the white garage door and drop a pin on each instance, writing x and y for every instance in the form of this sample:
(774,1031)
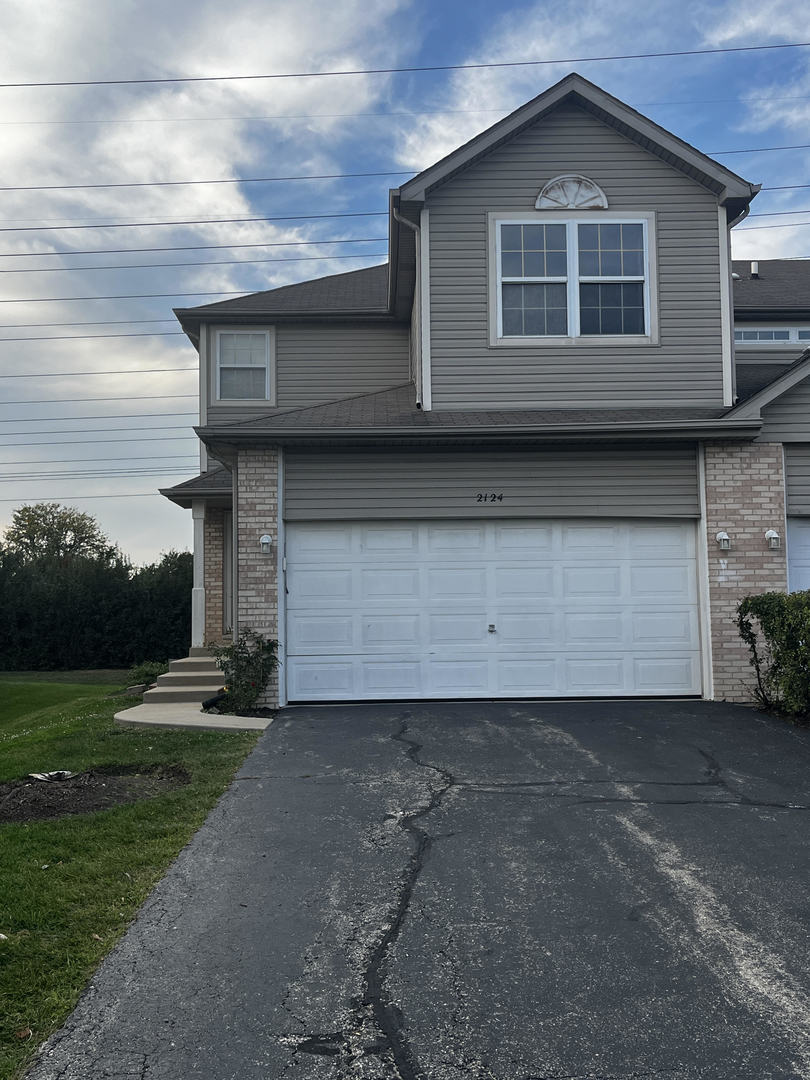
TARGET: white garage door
(496,609)
(798,553)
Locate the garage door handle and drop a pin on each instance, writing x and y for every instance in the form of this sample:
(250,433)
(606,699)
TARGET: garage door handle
(491,628)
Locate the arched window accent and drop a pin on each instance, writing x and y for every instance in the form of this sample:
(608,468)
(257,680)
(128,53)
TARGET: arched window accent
(571,192)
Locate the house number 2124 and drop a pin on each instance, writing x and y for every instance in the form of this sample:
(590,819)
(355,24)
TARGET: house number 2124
(492,496)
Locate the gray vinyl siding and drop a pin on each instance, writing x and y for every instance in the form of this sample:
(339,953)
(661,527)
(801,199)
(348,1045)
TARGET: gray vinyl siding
(797,479)
(638,483)
(787,419)
(317,362)
(768,354)
(685,369)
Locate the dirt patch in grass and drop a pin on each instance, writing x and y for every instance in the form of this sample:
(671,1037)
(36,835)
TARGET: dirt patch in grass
(96,789)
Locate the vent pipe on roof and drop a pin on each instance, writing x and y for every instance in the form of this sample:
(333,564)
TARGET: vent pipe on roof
(755,269)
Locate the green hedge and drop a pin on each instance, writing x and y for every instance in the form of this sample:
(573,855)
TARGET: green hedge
(776,628)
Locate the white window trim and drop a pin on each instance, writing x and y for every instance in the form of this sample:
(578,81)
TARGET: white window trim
(270,365)
(559,217)
(788,343)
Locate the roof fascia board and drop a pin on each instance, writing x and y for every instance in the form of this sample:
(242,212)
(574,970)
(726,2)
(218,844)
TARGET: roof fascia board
(750,408)
(191,322)
(736,427)
(732,185)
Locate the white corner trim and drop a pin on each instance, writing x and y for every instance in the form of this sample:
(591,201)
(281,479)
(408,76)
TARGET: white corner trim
(281,579)
(203,392)
(424,298)
(726,314)
(704,594)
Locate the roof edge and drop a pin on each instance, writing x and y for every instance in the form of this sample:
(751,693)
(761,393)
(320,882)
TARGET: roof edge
(751,407)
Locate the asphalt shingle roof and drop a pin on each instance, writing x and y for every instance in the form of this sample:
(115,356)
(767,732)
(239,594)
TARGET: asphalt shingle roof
(396,409)
(358,291)
(214,482)
(783,285)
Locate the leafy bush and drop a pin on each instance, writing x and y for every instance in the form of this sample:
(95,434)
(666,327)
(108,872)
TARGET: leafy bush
(776,628)
(246,665)
(146,672)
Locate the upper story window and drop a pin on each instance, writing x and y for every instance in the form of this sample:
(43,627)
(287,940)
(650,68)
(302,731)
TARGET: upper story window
(244,361)
(575,277)
(770,335)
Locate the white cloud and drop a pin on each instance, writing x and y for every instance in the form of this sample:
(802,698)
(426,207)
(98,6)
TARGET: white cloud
(93,39)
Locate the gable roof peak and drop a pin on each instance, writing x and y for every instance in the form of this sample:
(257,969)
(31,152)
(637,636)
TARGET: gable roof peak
(727,185)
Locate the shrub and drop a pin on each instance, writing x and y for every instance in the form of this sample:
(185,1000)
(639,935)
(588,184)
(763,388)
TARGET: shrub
(146,672)
(776,628)
(247,665)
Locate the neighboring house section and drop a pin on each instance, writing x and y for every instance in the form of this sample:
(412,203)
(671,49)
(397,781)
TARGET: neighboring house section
(518,459)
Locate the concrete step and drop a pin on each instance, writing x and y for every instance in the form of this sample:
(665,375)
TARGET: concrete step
(203,665)
(202,679)
(168,695)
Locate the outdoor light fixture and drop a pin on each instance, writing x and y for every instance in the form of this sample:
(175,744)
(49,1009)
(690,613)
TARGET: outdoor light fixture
(723,541)
(774,539)
(265,542)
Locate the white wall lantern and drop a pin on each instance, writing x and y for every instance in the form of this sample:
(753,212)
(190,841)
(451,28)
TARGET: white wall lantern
(265,543)
(774,539)
(723,541)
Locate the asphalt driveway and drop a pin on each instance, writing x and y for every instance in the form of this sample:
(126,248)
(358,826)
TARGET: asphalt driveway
(513,891)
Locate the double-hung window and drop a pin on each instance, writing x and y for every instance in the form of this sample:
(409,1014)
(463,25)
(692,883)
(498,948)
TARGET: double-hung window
(244,365)
(572,278)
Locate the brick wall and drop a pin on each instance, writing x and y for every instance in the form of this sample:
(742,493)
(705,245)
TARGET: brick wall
(745,496)
(257,513)
(213,573)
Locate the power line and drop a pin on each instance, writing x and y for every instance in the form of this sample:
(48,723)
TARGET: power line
(90,431)
(88,474)
(130,457)
(309,176)
(407,70)
(412,113)
(85,400)
(79,498)
(125,296)
(100,442)
(99,322)
(192,183)
(191,221)
(90,337)
(194,247)
(212,262)
(117,371)
(103,416)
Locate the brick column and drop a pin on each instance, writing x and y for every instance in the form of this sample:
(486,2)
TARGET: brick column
(214,581)
(745,496)
(257,573)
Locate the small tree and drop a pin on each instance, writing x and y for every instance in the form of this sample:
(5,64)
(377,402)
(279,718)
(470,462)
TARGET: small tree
(776,629)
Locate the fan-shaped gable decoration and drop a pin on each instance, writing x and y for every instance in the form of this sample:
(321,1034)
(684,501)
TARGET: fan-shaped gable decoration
(571,192)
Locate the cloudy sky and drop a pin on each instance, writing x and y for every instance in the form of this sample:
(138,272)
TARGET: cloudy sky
(96,406)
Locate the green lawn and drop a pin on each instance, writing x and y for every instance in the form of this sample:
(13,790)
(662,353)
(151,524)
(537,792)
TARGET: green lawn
(69,887)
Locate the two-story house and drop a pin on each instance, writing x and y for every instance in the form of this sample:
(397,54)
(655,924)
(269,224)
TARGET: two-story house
(512,461)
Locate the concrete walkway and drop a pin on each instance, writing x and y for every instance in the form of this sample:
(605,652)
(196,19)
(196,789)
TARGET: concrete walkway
(187,714)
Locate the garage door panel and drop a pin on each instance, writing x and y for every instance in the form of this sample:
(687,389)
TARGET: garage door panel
(446,583)
(674,675)
(663,583)
(380,610)
(468,628)
(589,581)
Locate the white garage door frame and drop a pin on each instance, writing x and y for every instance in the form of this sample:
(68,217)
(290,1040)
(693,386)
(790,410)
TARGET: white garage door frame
(382,610)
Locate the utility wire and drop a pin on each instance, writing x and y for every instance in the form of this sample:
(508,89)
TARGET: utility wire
(100,442)
(191,221)
(90,431)
(194,247)
(411,113)
(103,416)
(91,337)
(117,371)
(85,400)
(212,262)
(308,176)
(129,457)
(408,70)
(124,296)
(80,498)
(192,183)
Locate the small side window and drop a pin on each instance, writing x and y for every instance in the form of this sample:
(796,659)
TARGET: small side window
(243,365)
